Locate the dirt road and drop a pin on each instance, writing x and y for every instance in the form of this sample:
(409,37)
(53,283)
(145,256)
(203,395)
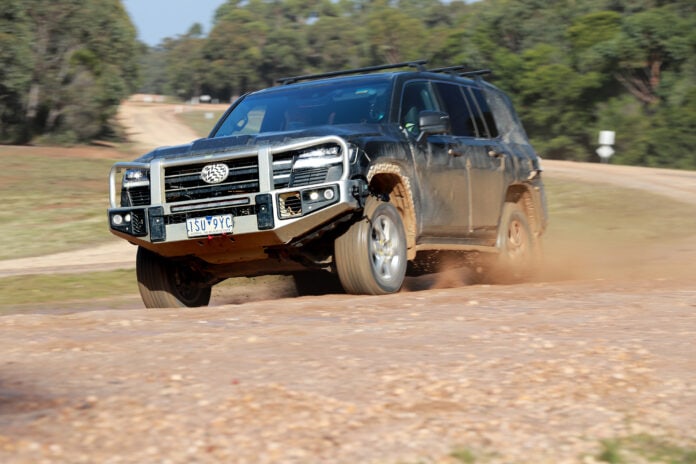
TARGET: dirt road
(533,373)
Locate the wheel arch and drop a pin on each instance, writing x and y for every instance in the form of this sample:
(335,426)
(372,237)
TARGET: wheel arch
(524,195)
(390,179)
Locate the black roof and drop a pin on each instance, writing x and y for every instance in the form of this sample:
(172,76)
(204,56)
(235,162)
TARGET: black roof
(459,70)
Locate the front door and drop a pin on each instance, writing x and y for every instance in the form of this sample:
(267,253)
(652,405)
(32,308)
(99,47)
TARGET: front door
(441,170)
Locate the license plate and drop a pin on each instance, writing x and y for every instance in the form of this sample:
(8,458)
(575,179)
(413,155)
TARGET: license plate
(210,225)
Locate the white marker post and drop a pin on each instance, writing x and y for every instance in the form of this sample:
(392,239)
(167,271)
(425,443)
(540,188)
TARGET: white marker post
(606,140)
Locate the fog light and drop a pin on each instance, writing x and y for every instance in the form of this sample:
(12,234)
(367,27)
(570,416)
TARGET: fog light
(329,194)
(117,219)
(314,196)
(127,218)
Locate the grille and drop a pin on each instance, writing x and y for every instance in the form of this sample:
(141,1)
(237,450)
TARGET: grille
(138,222)
(282,170)
(289,205)
(235,211)
(305,177)
(183,183)
(137,196)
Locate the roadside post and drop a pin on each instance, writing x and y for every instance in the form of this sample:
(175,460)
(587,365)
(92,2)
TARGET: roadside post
(606,140)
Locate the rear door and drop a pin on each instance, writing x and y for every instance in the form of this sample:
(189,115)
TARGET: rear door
(476,153)
(488,164)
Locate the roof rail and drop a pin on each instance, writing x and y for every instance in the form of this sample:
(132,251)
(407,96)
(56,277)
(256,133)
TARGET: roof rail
(455,69)
(419,64)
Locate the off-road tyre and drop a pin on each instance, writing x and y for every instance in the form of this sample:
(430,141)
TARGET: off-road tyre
(371,256)
(519,254)
(164,283)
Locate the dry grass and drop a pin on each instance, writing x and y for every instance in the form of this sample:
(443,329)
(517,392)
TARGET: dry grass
(52,200)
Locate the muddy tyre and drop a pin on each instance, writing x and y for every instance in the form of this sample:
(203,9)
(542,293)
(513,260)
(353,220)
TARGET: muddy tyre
(164,283)
(519,250)
(371,255)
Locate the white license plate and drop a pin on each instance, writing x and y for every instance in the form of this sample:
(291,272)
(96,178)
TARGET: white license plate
(210,225)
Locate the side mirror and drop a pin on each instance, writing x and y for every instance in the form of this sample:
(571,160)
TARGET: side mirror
(433,122)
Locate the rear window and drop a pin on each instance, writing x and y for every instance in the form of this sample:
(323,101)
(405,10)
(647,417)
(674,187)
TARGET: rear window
(484,118)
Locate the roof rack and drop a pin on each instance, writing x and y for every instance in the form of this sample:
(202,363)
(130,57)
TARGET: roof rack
(455,69)
(419,64)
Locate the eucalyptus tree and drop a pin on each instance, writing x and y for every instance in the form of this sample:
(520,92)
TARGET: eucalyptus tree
(81,54)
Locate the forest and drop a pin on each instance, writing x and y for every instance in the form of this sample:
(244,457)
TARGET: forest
(572,67)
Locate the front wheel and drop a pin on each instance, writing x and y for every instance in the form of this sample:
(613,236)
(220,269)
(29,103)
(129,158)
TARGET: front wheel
(371,255)
(164,283)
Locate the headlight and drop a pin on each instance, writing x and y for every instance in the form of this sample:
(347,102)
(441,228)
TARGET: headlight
(136,178)
(318,157)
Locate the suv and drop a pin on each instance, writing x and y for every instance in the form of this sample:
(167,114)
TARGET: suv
(359,177)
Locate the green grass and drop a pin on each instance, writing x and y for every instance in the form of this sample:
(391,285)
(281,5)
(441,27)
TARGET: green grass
(464,456)
(34,291)
(51,203)
(200,120)
(645,448)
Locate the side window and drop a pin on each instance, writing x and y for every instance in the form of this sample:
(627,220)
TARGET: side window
(484,121)
(416,97)
(458,108)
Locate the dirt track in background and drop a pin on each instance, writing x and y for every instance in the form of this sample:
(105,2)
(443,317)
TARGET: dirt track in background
(533,373)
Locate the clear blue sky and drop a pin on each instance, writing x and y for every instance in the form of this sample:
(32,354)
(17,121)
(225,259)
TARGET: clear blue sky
(157,19)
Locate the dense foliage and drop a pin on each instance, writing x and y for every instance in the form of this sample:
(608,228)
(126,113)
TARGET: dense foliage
(573,67)
(64,67)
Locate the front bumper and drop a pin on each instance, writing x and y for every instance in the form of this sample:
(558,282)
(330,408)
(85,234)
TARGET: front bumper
(265,218)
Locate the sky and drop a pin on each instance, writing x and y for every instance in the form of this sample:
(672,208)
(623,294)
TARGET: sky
(157,19)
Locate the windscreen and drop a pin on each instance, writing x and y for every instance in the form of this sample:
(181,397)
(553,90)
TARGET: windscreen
(307,106)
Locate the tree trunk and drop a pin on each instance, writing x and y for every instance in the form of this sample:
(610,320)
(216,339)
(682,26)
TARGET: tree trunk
(33,101)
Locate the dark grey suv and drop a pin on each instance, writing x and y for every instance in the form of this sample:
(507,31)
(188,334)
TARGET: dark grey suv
(360,177)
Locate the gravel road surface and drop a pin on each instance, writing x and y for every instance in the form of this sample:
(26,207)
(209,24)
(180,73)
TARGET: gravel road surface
(533,373)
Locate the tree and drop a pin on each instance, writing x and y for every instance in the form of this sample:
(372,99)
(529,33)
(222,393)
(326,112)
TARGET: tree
(185,63)
(394,36)
(234,48)
(82,65)
(16,64)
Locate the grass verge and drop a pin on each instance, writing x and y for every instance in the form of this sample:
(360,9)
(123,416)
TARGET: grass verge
(52,202)
(645,448)
(35,291)
(603,213)
(201,120)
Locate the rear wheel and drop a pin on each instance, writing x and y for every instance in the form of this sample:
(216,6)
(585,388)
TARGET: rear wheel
(371,255)
(164,283)
(519,251)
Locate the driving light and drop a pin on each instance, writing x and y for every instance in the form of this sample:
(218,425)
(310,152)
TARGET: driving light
(329,194)
(318,157)
(135,175)
(136,178)
(117,219)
